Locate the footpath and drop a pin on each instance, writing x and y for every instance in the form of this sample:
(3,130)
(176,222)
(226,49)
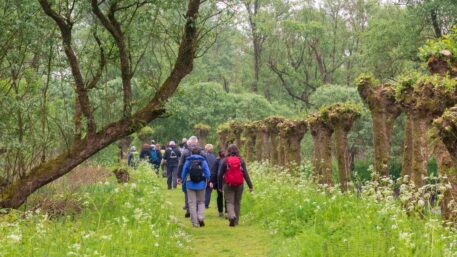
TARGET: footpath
(217,238)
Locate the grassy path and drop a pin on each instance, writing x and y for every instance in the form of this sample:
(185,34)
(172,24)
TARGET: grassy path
(217,238)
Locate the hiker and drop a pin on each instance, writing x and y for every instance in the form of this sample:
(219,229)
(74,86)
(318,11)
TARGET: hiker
(191,144)
(145,154)
(231,178)
(171,157)
(183,145)
(214,172)
(163,162)
(196,175)
(133,157)
(211,159)
(156,157)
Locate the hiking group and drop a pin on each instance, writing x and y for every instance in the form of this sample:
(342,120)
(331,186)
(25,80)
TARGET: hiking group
(199,171)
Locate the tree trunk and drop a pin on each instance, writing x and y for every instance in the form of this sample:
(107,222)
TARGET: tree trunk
(420,150)
(283,143)
(292,151)
(249,149)
(259,146)
(274,149)
(383,124)
(342,155)
(322,158)
(447,168)
(266,146)
(408,148)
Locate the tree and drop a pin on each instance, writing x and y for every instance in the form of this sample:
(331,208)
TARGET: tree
(93,138)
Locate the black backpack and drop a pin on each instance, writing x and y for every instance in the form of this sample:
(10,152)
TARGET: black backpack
(196,171)
(173,154)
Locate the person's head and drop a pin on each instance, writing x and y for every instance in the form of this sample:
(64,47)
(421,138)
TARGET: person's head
(184,141)
(193,141)
(163,147)
(153,142)
(209,148)
(195,150)
(157,146)
(145,146)
(172,144)
(221,153)
(233,150)
(133,149)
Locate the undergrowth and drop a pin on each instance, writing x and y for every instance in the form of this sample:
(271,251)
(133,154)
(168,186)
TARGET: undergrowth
(309,220)
(131,219)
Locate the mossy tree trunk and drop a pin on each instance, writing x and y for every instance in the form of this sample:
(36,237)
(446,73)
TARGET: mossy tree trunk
(342,156)
(408,148)
(291,133)
(342,116)
(322,157)
(420,149)
(266,145)
(383,124)
(445,151)
(447,168)
(259,146)
(282,150)
(273,131)
(384,110)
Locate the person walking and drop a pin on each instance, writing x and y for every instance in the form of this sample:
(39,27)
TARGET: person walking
(145,154)
(214,172)
(232,174)
(171,157)
(211,159)
(196,175)
(133,157)
(156,156)
(191,144)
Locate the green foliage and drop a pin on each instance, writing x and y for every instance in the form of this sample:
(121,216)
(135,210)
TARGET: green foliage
(435,47)
(208,103)
(133,219)
(306,220)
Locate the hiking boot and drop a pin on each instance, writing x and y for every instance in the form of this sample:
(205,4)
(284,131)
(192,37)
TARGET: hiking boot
(221,214)
(232,223)
(187,215)
(202,223)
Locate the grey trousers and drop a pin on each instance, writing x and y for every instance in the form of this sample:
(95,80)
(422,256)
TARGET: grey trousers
(233,199)
(196,206)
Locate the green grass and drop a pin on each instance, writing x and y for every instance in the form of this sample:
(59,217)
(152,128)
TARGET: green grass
(284,216)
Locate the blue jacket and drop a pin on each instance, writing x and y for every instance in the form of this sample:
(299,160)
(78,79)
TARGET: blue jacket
(187,183)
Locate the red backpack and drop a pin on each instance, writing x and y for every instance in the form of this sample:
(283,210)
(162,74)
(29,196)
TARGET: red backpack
(234,174)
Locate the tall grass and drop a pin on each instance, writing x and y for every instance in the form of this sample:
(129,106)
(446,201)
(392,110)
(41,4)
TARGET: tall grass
(309,220)
(116,220)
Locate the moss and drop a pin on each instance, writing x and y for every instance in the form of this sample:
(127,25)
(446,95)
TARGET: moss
(223,128)
(272,122)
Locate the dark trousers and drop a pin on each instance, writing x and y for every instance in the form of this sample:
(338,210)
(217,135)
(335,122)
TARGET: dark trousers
(172,172)
(208,196)
(220,202)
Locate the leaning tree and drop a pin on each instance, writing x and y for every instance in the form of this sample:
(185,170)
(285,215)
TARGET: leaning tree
(342,116)
(113,22)
(322,131)
(384,109)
